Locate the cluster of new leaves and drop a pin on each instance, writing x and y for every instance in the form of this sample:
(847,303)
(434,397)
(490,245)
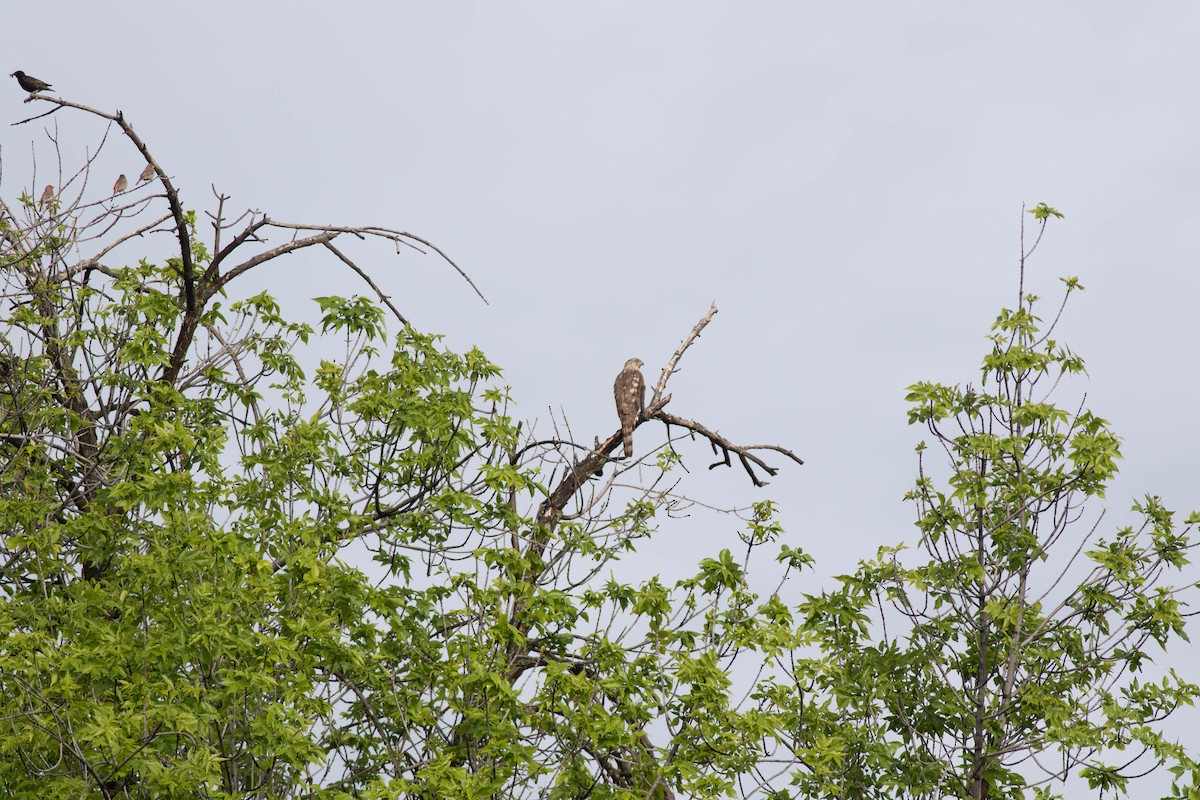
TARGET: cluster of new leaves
(1014,655)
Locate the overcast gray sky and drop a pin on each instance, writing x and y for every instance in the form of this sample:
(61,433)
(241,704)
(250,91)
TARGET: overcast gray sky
(844,179)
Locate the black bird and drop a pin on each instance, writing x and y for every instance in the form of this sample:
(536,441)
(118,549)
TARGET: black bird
(29,83)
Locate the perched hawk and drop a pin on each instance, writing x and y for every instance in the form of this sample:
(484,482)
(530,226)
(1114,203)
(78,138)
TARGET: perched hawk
(630,393)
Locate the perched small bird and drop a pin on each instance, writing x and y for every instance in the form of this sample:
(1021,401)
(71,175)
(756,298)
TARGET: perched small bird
(47,195)
(121,185)
(29,83)
(147,174)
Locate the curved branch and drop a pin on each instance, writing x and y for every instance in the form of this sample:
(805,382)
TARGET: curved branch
(181,229)
(392,235)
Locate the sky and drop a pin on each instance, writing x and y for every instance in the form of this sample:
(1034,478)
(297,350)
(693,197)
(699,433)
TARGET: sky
(844,180)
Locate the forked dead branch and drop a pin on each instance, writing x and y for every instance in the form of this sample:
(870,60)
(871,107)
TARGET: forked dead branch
(552,509)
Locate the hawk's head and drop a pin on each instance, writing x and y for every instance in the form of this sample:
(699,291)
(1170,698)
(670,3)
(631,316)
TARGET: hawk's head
(633,363)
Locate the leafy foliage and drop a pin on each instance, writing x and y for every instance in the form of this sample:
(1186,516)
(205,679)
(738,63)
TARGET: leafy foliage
(226,575)
(1022,632)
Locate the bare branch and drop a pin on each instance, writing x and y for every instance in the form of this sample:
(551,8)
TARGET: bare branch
(39,116)
(399,237)
(669,369)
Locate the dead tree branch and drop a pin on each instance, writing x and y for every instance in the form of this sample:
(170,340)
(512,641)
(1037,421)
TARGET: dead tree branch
(671,367)
(724,447)
(551,511)
(198,290)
